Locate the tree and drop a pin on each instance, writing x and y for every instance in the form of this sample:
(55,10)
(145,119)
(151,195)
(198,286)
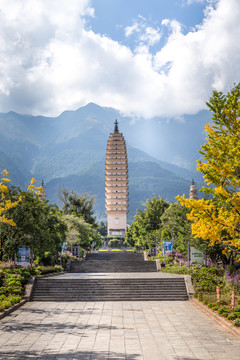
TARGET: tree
(177,227)
(81,233)
(63,195)
(218,218)
(102,228)
(38,226)
(5,202)
(78,205)
(144,230)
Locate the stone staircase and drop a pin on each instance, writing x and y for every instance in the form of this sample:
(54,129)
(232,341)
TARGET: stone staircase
(93,287)
(112,262)
(110,289)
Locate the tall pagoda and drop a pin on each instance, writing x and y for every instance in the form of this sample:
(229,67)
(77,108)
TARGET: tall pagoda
(116,181)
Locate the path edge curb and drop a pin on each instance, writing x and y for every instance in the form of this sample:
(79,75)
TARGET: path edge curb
(227,325)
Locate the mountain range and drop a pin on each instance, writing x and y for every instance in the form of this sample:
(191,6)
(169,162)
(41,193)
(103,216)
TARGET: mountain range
(70,150)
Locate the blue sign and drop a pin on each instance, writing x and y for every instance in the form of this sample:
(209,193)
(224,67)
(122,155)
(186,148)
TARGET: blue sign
(23,256)
(167,246)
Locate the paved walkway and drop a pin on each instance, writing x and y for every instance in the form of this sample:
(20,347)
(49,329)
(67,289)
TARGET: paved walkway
(114,330)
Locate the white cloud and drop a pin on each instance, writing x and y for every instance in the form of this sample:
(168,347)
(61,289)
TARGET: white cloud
(145,34)
(129,30)
(50,62)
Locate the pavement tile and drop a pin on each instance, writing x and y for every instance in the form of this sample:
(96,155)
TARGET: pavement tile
(115,330)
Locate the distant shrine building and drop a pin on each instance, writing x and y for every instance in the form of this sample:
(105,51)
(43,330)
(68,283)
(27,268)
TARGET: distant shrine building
(116,184)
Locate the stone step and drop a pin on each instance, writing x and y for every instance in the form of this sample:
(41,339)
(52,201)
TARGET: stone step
(132,281)
(110,261)
(100,266)
(112,298)
(109,289)
(117,256)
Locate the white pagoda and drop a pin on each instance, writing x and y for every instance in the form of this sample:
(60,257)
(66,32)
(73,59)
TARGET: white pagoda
(116,181)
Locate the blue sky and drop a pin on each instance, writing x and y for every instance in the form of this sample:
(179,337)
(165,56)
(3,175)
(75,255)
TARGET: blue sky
(146,58)
(112,16)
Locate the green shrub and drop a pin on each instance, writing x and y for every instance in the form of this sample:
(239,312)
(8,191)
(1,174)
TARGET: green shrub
(16,290)
(224,302)
(176,269)
(206,279)
(223,310)
(14,299)
(4,305)
(236,322)
(232,316)
(13,284)
(3,290)
(44,270)
(2,297)
(117,243)
(13,279)
(211,305)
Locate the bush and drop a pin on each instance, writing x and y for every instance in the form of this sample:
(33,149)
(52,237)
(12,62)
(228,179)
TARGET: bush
(3,290)
(232,316)
(13,279)
(117,243)
(234,279)
(44,270)
(236,322)
(14,299)
(2,298)
(213,306)
(4,305)
(46,259)
(206,279)
(223,310)
(175,269)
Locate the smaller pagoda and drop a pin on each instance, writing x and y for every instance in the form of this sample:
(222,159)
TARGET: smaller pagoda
(42,192)
(193,191)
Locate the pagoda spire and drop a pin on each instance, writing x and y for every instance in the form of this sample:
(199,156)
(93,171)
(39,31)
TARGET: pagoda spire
(42,193)
(116,126)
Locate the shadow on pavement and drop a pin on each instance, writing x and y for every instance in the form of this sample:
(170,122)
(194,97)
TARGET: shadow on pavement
(55,327)
(77,355)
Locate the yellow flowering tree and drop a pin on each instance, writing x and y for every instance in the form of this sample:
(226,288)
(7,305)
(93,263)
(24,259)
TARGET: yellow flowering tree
(218,218)
(5,203)
(33,188)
